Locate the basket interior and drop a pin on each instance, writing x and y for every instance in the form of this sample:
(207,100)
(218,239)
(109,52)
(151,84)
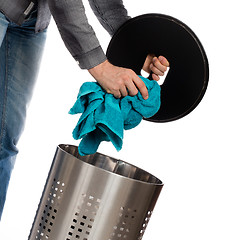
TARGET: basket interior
(112,165)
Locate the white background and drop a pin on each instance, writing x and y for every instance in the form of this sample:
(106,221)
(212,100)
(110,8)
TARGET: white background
(189,155)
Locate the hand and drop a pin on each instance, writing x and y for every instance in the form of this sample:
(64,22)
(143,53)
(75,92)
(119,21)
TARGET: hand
(118,81)
(157,65)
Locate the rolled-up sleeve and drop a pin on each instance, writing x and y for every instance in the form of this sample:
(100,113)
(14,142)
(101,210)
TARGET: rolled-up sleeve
(77,34)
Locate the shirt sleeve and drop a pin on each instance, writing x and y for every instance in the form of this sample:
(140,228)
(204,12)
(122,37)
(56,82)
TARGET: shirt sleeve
(78,35)
(110,13)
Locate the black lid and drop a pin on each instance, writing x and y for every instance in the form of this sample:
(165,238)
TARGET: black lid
(187,79)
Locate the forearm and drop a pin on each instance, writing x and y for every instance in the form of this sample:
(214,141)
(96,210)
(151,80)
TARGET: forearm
(77,34)
(110,13)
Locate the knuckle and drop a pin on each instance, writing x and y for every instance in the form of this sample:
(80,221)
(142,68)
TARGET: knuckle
(155,60)
(165,68)
(133,92)
(125,78)
(115,88)
(130,71)
(153,68)
(117,95)
(118,83)
(126,81)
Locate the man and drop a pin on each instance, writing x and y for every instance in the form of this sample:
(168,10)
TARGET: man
(23,26)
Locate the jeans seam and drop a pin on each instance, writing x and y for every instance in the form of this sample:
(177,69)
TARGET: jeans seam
(5,94)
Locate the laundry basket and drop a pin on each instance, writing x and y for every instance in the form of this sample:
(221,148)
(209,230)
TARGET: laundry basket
(94,197)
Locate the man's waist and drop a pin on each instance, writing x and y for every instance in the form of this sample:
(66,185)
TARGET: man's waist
(17,11)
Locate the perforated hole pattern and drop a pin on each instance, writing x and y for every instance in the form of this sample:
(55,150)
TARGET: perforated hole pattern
(48,217)
(84,218)
(127,217)
(147,218)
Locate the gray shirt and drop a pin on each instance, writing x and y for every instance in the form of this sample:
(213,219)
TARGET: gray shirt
(77,34)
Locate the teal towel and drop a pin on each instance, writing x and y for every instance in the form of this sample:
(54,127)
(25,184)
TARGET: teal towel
(105,117)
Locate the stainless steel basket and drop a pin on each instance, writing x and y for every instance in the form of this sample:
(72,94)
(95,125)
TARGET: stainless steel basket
(95,197)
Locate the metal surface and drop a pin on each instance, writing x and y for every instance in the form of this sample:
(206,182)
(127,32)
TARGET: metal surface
(187,79)
(94,197)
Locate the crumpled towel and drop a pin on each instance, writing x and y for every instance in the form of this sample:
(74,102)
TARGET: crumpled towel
(105,117)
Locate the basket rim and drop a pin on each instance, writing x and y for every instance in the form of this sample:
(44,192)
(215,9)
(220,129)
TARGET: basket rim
(152,180)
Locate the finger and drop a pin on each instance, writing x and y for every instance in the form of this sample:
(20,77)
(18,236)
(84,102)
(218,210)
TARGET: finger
(132,90)
(158,65)
(148,61)
(123,91)
(156,70)
(116,94)
(141,86)
(163,61)
(155,77)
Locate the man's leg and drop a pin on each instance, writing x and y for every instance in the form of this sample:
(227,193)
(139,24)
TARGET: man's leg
(20,56)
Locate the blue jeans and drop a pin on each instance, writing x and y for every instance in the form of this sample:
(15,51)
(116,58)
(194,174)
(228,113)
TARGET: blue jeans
(20,55)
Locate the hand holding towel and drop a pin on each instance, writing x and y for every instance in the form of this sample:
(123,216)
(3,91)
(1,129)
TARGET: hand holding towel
(104,117)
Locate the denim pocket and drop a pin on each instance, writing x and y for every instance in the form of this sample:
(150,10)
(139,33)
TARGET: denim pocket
(30,21)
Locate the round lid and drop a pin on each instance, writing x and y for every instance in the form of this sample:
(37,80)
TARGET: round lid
(187,79)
